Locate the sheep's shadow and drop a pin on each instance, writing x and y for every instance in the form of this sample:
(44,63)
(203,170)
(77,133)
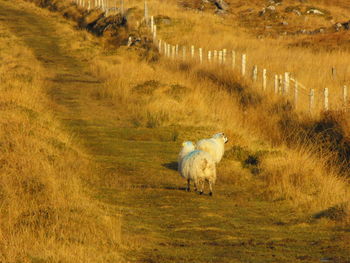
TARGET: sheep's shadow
(170,166)
(175,188)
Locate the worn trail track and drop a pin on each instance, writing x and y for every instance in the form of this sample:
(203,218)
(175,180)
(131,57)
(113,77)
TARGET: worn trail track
(161,222)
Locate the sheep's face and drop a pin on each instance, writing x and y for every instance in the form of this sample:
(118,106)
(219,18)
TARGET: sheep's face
(221,135)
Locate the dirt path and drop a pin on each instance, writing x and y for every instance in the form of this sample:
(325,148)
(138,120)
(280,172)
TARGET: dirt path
(161,222)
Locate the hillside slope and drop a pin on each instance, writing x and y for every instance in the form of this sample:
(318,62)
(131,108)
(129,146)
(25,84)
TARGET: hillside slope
(131,116)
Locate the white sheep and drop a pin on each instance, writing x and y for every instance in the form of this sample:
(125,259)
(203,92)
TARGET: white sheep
(197,166)
(215,146)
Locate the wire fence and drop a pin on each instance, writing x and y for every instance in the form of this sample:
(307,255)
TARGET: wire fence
(285,84)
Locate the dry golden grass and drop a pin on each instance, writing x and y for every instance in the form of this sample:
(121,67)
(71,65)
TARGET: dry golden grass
(46,214)
(169,94)
(312,67)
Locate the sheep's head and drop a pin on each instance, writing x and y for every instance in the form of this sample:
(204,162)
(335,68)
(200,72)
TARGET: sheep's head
(188,146)
(222,136)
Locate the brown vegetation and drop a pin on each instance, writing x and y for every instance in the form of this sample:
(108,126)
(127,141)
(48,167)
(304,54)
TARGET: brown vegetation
(298,158)
(45,209)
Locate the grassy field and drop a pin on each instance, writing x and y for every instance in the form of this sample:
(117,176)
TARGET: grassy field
(46,206)
(125,119)
(264,39)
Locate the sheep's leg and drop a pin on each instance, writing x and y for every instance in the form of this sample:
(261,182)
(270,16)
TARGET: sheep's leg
(201,186)
(210,188)
(188,185)
(195,186)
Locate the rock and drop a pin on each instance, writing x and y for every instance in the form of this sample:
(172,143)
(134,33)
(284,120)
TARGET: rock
(262,12)
(221,5)
(314,11)
(317,31)
(271,8)
(92,18)
(338,26)
(130,42)
(346,25)
(110,23)
(303,31)
(133,40)
(297,12)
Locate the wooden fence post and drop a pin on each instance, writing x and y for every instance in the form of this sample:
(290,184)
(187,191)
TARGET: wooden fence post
(173,52)
(255,73)
(184,53)
(280,84)
(286,83)
(220,57)
(160,46)
(209,56)
(192,52)
(326,102)
(311,100)
(233,59)
(244,58)
(154,33)
(345,95)
(146,12)
(152,24)
(169,51)
(177,50)
(200,50)
(165,45)
(122,7)
(224,51)
(215,55)
(296,94)
(276,84)
(264,80)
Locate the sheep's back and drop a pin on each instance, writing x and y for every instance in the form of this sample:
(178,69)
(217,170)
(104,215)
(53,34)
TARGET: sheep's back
(198,164)
(212,147)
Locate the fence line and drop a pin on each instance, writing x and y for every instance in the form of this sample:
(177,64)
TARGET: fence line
(282,83)
(104,6)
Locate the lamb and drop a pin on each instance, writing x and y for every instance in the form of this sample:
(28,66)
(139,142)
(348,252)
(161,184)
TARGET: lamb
(197,166)
(215,146)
